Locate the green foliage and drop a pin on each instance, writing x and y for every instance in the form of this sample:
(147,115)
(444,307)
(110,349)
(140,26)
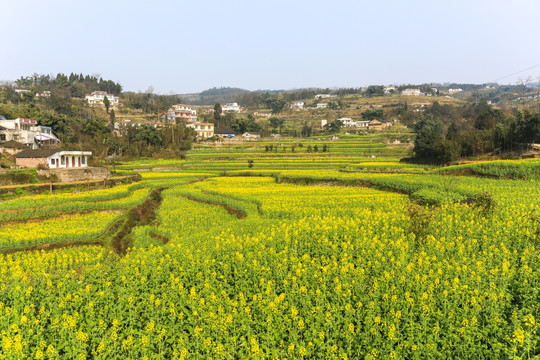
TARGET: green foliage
(107,104)
(217,112)
(333,127)
(242,125)
(76,84)
(372,113)
(419,220)
(149,135)
(374,90)
(276,122)
(485,203)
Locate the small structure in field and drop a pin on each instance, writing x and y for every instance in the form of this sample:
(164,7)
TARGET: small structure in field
(250,136)
(225,133)
(52,158)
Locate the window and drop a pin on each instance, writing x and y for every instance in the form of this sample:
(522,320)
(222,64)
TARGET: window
(2,137)
(83,160)
(52,162)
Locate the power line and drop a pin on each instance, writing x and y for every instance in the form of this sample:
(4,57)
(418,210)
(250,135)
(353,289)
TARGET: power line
(519,72)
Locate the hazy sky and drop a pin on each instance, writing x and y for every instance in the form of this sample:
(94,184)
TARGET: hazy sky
(183,46)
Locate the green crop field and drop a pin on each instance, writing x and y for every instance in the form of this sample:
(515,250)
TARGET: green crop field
(240,251)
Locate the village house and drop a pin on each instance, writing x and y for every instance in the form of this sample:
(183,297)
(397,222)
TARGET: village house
(20,92)
(225,133)
(98,98)
(297,105)
(121,126)
(322,105)
(44,94)
(181,112)
(412,92)
(362,124)
(262,114)
(12,147)
(203,130)
(347,122)
(377,125)
(129,123)
(324,96)
(27,132)
(251,136)
(52,158)
(389,89)
(454,91)
(230,107)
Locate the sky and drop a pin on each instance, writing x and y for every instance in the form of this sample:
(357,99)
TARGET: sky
(189,46)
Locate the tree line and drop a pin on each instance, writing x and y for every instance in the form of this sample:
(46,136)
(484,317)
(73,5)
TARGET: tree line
(447,133)
(78,85)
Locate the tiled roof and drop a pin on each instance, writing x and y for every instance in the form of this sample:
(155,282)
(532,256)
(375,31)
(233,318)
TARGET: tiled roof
(36,154)
(11,144)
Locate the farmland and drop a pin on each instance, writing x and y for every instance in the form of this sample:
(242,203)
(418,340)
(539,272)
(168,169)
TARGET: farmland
(345,253)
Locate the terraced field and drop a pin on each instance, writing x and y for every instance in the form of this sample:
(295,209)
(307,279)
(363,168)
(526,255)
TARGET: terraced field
(304,255)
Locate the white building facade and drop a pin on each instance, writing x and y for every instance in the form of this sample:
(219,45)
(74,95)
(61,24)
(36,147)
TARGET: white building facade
(98,97)
(230,107)
(27,132)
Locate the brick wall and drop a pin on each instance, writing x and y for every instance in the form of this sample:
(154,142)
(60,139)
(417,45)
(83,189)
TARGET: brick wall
(30,162)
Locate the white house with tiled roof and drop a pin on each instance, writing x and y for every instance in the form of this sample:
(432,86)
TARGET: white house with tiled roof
(98,97)
(52,158)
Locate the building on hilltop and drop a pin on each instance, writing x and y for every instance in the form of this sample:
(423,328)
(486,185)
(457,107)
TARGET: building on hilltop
(322,105)
(98,98)
(231,107)
(389,89)
(52,158)
(297,105)
(325,96)
(412,92)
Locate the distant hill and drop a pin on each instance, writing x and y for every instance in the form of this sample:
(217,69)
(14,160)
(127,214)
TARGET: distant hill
(222,95)
(222,91)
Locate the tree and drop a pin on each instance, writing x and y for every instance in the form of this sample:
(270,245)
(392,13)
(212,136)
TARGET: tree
(276,105)
(334,126)
(452,132)
(375,90)
(149,135)
(107,103)
(446,151)
(430,132)
(276,122)
(372,113)
(307,130)
(217,113)
(112,116)
(242,125)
